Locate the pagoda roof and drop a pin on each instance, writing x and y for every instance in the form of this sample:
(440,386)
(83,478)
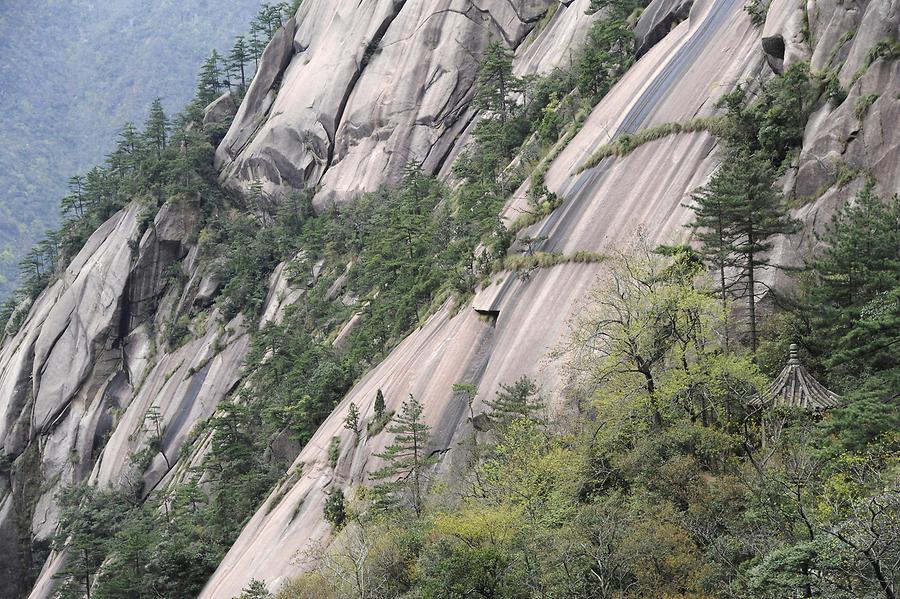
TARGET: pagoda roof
(795,387)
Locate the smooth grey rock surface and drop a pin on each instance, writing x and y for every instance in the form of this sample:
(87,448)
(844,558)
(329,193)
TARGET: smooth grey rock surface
(219,110)
(350,120)
(657,20)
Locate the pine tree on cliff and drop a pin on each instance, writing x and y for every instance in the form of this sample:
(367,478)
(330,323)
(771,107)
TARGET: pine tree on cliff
(406,458)
(73,202)
(156,129)
(712,230)
(496,82)
(237,62)
(520,400)
(379,404)
(210,84)
(746,211)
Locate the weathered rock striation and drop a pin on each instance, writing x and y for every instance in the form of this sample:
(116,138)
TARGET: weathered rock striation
(347,95)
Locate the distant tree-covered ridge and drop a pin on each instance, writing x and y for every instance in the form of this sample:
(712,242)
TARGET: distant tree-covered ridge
(72,73)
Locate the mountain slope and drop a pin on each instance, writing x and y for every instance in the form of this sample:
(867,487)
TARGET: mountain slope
(342,102)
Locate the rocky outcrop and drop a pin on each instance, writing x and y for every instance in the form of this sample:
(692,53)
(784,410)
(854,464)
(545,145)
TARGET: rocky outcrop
(220,111)
(657,20)
(346,95)
(78,379)
(350,120)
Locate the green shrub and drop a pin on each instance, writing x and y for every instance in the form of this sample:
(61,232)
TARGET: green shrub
(334,451)
(862,105)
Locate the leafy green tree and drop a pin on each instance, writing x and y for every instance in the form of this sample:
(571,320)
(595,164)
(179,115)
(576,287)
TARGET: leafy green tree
(407,457)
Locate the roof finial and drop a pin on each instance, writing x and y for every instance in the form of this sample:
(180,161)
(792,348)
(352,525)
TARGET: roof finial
(794,359)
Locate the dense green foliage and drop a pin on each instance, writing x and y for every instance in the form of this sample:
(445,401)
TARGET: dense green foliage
(667,485)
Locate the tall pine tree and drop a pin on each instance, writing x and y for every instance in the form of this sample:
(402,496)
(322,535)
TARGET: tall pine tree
(237,62)
(210,84)
(406,458)
(738,213)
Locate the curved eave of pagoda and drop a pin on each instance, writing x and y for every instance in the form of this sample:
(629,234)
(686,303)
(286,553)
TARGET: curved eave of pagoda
(796,388)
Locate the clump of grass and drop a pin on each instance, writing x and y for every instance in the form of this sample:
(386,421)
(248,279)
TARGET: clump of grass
(863,103)
(526,219)
(378,424)
(848,35)
(628,142)
(887,48)
(529,262)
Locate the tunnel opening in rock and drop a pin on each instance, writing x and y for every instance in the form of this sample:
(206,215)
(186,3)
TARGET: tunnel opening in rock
(488,315)
(773,47)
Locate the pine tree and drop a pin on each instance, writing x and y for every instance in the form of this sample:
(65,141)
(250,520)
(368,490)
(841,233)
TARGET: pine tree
(237,61)
(606,55)
(351,420)
(856,293)
(210,83)
(255,44)
(740,211)
(124,160)
(712,230)
(335,509)
(73,202)
(379,404)
(520,400)
(496,82)
(156,128)
(87,522)
(406,457)
(756,214)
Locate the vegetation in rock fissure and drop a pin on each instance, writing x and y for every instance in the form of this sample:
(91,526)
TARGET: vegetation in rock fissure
(399,253)
(664,483)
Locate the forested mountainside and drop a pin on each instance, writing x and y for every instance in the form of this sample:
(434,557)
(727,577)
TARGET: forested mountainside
(489,298)
(72,74)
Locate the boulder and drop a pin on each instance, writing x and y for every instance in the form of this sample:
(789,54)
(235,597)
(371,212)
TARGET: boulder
(657,20)
(220,111)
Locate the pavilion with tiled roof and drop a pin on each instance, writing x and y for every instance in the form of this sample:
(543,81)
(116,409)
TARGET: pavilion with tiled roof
(795,387)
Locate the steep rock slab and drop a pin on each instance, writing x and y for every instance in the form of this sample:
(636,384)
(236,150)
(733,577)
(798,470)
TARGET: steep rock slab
(604,207)
(48,372)
(554,45)
(78,323)
(370,87)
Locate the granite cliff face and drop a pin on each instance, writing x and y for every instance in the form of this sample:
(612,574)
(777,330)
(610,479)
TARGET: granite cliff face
(347,94)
